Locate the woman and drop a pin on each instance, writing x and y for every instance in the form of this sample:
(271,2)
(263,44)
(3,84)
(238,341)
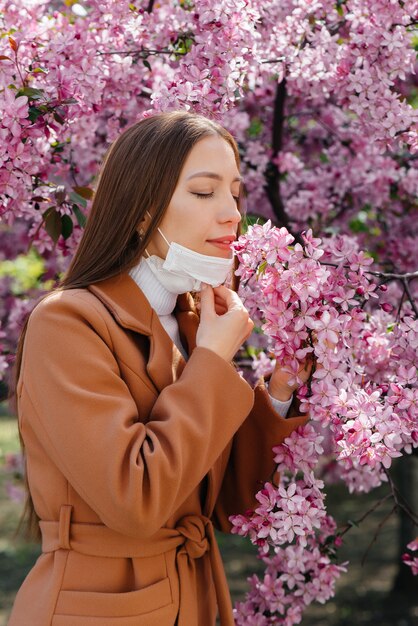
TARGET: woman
(139,434)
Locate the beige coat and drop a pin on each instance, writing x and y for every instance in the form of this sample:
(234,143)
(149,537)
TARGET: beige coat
(132,457)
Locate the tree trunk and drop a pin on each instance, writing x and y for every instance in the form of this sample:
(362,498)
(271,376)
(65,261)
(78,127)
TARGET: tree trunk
(404,581)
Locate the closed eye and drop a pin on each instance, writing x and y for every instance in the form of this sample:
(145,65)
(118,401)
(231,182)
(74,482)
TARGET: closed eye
(203,195)
(210,195)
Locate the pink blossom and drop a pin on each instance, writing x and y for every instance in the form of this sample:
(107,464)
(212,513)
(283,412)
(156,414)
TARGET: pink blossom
(346,180)
(15,112)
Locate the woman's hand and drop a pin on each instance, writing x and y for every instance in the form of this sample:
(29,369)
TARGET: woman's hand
(279,386)
(224,321)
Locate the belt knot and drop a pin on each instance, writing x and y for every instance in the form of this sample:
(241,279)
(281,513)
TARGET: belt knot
(194,530)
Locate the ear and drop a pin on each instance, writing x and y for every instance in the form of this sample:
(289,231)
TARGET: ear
(143,225)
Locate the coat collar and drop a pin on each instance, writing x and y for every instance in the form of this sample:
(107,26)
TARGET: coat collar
(131,309)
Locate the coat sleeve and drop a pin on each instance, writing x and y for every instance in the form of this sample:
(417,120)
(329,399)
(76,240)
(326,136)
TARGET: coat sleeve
(251,462)
(133,475)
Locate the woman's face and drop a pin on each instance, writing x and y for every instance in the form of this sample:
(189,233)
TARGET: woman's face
(203,213)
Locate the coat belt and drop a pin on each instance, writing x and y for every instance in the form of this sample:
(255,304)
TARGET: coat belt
(192,537)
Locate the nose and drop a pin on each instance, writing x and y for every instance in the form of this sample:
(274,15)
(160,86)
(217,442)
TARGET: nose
(230,211)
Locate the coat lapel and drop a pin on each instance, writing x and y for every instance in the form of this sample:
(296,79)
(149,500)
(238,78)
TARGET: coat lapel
(165,363)
(188,321)
(131,309)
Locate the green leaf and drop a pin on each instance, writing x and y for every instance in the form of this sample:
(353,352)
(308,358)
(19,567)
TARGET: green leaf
(250,220)
(147,64)
(66,226)
(31,93)
(252,351)
(34,113)
(261,268)
(255,127)
(58,118)
(69,101)
(374,255)
(52,223)
(81,218)
(74,197)
(412,97)
(358,226)
(84,192)
(352,523)
(57,146)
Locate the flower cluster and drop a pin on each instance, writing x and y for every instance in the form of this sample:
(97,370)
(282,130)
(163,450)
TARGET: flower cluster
(295,577)
(290,521)
(309,300)
(318,301)
(220,51)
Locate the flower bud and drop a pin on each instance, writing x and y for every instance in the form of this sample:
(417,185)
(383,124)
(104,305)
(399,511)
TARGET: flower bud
(388,308)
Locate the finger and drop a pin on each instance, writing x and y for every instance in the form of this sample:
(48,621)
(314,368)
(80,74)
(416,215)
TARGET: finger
(220,305)
(231,298)
(250,328)
(207,302)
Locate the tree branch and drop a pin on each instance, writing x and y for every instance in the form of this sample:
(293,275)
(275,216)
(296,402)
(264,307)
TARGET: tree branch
(143,52)
(375,506)
(376,534)
(388,275)
(272,173)
(410,296)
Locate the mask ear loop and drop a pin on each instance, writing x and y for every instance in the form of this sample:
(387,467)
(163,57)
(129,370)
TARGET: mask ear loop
(162,235)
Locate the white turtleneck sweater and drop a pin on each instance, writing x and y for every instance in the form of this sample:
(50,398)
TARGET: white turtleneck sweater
(163,302)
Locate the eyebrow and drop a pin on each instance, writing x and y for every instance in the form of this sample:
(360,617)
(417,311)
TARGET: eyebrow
(213,175)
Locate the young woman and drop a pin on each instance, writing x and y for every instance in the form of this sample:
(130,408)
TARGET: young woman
(140,436)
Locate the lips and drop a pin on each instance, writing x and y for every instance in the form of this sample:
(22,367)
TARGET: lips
(226,240)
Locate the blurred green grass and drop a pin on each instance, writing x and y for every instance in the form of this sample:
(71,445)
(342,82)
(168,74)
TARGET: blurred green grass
(16,556)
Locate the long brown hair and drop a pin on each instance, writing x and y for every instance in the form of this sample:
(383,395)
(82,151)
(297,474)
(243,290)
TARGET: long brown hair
(139,175)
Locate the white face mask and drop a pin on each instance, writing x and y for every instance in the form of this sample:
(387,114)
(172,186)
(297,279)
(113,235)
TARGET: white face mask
(185,270)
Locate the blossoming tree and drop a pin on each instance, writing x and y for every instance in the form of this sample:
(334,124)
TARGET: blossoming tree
(321,97)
